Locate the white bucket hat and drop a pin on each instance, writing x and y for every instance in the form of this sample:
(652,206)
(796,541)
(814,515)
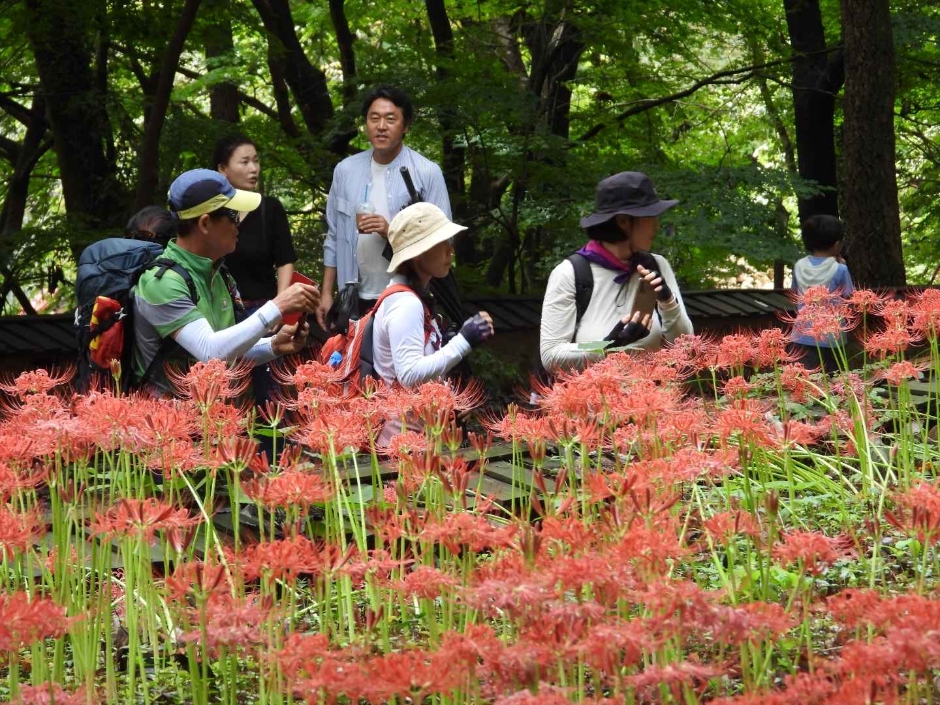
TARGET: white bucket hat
(416,229)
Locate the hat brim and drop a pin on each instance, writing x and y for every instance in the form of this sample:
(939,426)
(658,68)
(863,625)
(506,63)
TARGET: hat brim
(244,201)
(445,232)
(651,210)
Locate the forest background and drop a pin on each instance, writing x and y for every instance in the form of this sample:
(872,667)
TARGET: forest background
(754,113)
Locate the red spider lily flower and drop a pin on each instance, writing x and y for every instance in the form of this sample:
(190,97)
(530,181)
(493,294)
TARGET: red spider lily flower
(291,488)
(212,381)
(737,388)
(546,694)
(176,457)
(896,313)
(139,518)
(465,529)
(313,374)
(734,351)
(854,608)
(795,380)
(925,314)
(18,450)
(425,582)
(692,352)
(770,349)
(900,372)
(198,579)
(166,420)
(19,531)
(893,341)
(714,464)
(237,452)
(407,444)
(749,622)
(229,622)
(435,402)
(675,677)
(516,425)
(49,694)
(813,551)
(36,382)
(723,526)
(285,559)
(13,482)
(334,431)
(377,564)
(612,645)
(745,418)
(917,512)
(866,301)
(25,620)
(798,433)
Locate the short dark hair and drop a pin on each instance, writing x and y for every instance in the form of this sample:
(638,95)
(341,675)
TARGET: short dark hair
(226,146)
(608,231)
(152,223)
(395,95)
(820,232)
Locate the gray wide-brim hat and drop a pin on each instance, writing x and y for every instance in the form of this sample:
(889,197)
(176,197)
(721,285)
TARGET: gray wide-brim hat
(626,193)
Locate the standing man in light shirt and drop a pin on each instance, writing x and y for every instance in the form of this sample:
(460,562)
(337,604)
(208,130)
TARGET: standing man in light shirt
(354,254)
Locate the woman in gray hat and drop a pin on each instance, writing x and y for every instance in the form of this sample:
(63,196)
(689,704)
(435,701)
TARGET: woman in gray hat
(613,289)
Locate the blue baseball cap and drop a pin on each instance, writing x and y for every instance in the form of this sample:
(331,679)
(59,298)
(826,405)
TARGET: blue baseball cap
(202,191)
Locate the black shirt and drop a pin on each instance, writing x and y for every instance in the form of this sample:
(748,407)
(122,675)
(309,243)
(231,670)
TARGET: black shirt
(264,243)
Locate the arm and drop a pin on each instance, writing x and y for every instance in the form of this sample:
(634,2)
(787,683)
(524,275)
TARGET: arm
(404,318)
(675,319)
(284,273)
(559,313)
(203,343)
(282,245)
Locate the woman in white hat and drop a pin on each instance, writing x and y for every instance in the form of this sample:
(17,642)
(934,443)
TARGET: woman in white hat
(407,344)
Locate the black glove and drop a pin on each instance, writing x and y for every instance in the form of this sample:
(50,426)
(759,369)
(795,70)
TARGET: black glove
(664,295)
(476,330)
(622,335)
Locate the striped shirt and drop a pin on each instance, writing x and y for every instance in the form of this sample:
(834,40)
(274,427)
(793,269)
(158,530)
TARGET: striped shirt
(349,185)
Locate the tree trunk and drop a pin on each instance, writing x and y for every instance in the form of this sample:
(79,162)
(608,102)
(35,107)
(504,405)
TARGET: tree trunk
(307,83)
(454,156)
(148,177)
(816,80)
(223,97)
(347,55)
(59,32)
(870,197)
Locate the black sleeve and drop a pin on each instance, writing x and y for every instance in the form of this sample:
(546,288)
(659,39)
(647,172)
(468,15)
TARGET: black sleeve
(282,245)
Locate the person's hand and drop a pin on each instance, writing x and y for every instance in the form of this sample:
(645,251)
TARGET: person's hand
(373,223)
(629,330)
(298,297)
(326,303)
(291,339)
(654,279)
(478,328)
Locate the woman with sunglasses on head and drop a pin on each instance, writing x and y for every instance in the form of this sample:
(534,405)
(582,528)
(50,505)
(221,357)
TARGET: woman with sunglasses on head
(634,301)
(263,261)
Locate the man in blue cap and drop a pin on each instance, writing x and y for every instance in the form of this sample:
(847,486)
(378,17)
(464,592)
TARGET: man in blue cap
(192,301)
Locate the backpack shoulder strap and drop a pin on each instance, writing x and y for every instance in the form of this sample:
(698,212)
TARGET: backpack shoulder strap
(232,288)
(399,288)
(583,285)
(162,264)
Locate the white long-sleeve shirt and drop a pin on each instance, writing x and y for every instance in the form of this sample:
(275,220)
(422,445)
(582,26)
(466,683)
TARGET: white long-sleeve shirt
(399,349)
(610,302)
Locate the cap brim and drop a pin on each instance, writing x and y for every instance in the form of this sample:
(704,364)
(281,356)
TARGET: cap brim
(653,209)
(244,201)
(445,232)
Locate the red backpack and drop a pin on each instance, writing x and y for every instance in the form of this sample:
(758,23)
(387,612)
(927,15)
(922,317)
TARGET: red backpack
(355,346)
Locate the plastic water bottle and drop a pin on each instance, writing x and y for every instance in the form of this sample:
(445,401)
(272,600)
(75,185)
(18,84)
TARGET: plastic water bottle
(335,358)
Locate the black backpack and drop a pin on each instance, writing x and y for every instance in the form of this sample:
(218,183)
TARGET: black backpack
(110,269)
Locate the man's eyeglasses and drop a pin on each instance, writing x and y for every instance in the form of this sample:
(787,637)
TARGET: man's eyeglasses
(232,215)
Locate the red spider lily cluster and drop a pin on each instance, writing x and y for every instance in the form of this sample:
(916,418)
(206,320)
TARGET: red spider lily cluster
(688,525)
